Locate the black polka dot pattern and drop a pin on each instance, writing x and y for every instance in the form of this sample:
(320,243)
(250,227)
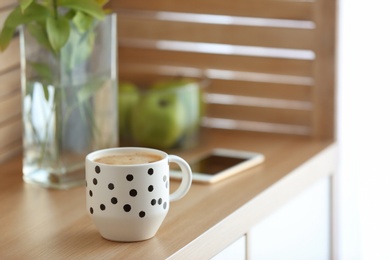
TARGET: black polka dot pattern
(133,193)
(129,177)
(113,202)
(127,208)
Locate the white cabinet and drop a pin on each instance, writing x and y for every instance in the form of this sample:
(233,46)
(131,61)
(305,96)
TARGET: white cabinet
(298,230)
(236,251)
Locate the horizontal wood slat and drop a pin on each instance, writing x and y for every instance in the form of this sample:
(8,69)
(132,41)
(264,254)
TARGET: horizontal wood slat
(11,150)
(278,128)
(7,3)
(300,10)
(10,58)
(259,114)
(9,82)
(10,131)
(223,86)
(145,73)
(261,89)
(3,15)
(10,106)
(224,62)
(153,29)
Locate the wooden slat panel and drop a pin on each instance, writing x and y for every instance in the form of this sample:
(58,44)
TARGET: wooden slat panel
(10,58)
(232,87)
(10,103)
(324,70)
(259,114)
(260,89)
(134,27)
(3,15)
(10,106)
(252,126)
(11,150)
(146,73)
(228,62)
(300,10)
(10,131)
(9,82)
(6,3)
(140,78)
(156,42)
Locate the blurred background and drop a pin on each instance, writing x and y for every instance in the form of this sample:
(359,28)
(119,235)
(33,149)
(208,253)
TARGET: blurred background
(364,128)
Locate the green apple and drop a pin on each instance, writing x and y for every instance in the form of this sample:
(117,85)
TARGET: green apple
(190,95)
(159,120)
(128,95)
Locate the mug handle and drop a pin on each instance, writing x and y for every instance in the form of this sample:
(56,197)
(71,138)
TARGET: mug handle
(186,180)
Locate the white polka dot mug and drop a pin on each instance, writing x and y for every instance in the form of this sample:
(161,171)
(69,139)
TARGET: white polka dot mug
(128,201)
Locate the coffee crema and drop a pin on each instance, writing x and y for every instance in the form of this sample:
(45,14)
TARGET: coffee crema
(129,158)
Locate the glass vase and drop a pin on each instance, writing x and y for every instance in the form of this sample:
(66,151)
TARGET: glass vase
(69,102)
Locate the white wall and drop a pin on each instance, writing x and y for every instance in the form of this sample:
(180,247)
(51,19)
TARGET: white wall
(364,128)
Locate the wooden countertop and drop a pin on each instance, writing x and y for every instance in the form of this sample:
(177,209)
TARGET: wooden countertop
(52,224)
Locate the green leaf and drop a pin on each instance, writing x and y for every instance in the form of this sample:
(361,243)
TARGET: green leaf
(34,12)
(82,21)
(6,37)
(24,4)
(89,90)
(90,7)
(45,74)
(58,31)
(46,91)
(101,2)
(43,70)
(29,89)
(78,48)
(38,31)
(70,14)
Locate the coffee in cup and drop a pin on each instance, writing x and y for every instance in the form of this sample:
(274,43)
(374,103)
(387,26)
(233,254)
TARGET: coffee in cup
(129,158)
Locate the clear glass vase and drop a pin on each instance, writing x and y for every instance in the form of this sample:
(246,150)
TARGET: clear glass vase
(69,103)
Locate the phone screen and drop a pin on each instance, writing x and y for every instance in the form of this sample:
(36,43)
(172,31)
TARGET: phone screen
(213,164)
(218,164)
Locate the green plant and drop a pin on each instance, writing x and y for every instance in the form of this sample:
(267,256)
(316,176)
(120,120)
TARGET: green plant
(66,32)
(49,20)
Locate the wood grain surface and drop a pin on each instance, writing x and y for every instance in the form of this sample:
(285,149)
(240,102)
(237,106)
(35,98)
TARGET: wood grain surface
(51,224)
